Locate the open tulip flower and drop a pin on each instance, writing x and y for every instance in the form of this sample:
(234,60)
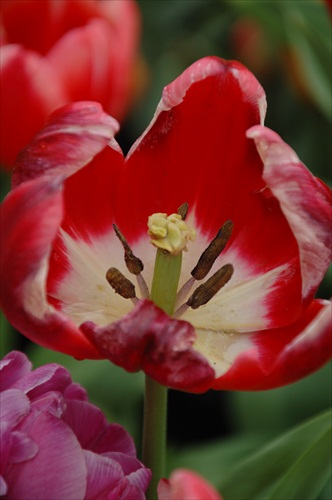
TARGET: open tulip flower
(56,52)
(55,444)
(196,258)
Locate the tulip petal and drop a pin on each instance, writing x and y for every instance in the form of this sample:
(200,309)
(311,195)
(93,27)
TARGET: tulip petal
(196,149)
(50,377)
(197,133)
(93,431)
(23,113)
(31,215)
(304,200)
(71,137)
(129,481)
(148,339)
(22,448)
(47,21)
(278,357)
(14,406)
(63,464)
(187,485)
(104,475)
(13,367)
(96,60)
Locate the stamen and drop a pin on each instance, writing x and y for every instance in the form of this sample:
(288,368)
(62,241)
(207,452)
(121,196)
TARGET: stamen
(183,292)
(133,263)
(207,290)
(213,251)
(120,284)
(143,287)
(183,211)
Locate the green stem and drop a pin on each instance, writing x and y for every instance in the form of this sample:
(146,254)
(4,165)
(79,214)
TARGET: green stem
(154,432)
(163,293)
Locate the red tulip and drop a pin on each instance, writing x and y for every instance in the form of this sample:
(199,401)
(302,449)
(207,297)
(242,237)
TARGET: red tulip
(56,52)
(186,485)
(245,316)
(55,444)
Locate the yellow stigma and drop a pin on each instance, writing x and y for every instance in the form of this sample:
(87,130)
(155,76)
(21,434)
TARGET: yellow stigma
(170,233)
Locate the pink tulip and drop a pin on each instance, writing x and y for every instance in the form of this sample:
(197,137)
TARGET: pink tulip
(250,320)
(55,444)
(54,52)
(186,485)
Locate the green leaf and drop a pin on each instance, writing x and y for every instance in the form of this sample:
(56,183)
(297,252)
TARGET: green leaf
(296,465)
(214,459)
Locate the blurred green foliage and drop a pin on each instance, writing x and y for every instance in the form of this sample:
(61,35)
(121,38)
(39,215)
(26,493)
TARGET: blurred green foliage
(287,44)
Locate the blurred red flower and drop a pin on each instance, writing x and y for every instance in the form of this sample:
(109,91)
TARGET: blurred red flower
(187,485)
(56,52)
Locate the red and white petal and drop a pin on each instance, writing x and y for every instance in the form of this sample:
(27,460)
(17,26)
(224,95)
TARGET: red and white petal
(30,218)
(196,149)
(195,142)
(253,299)
(23,113)
(148,339)
(72,136)
(305,201)
(272,358)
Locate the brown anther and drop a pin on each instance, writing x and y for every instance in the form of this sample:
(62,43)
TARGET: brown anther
(207,290)
(121,285)
(183,210)
(213,251)
(133,263)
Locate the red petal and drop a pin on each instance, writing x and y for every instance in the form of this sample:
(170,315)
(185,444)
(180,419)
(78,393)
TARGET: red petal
(83,59)
(31,215)
(187,485)
(97,60)
(30,90)
(284,355)
(37,25)
(148,339)
(71,137)
(305,201)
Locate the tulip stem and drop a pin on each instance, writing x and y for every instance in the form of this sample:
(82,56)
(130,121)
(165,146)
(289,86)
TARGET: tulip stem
(154,433)
(163,293)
